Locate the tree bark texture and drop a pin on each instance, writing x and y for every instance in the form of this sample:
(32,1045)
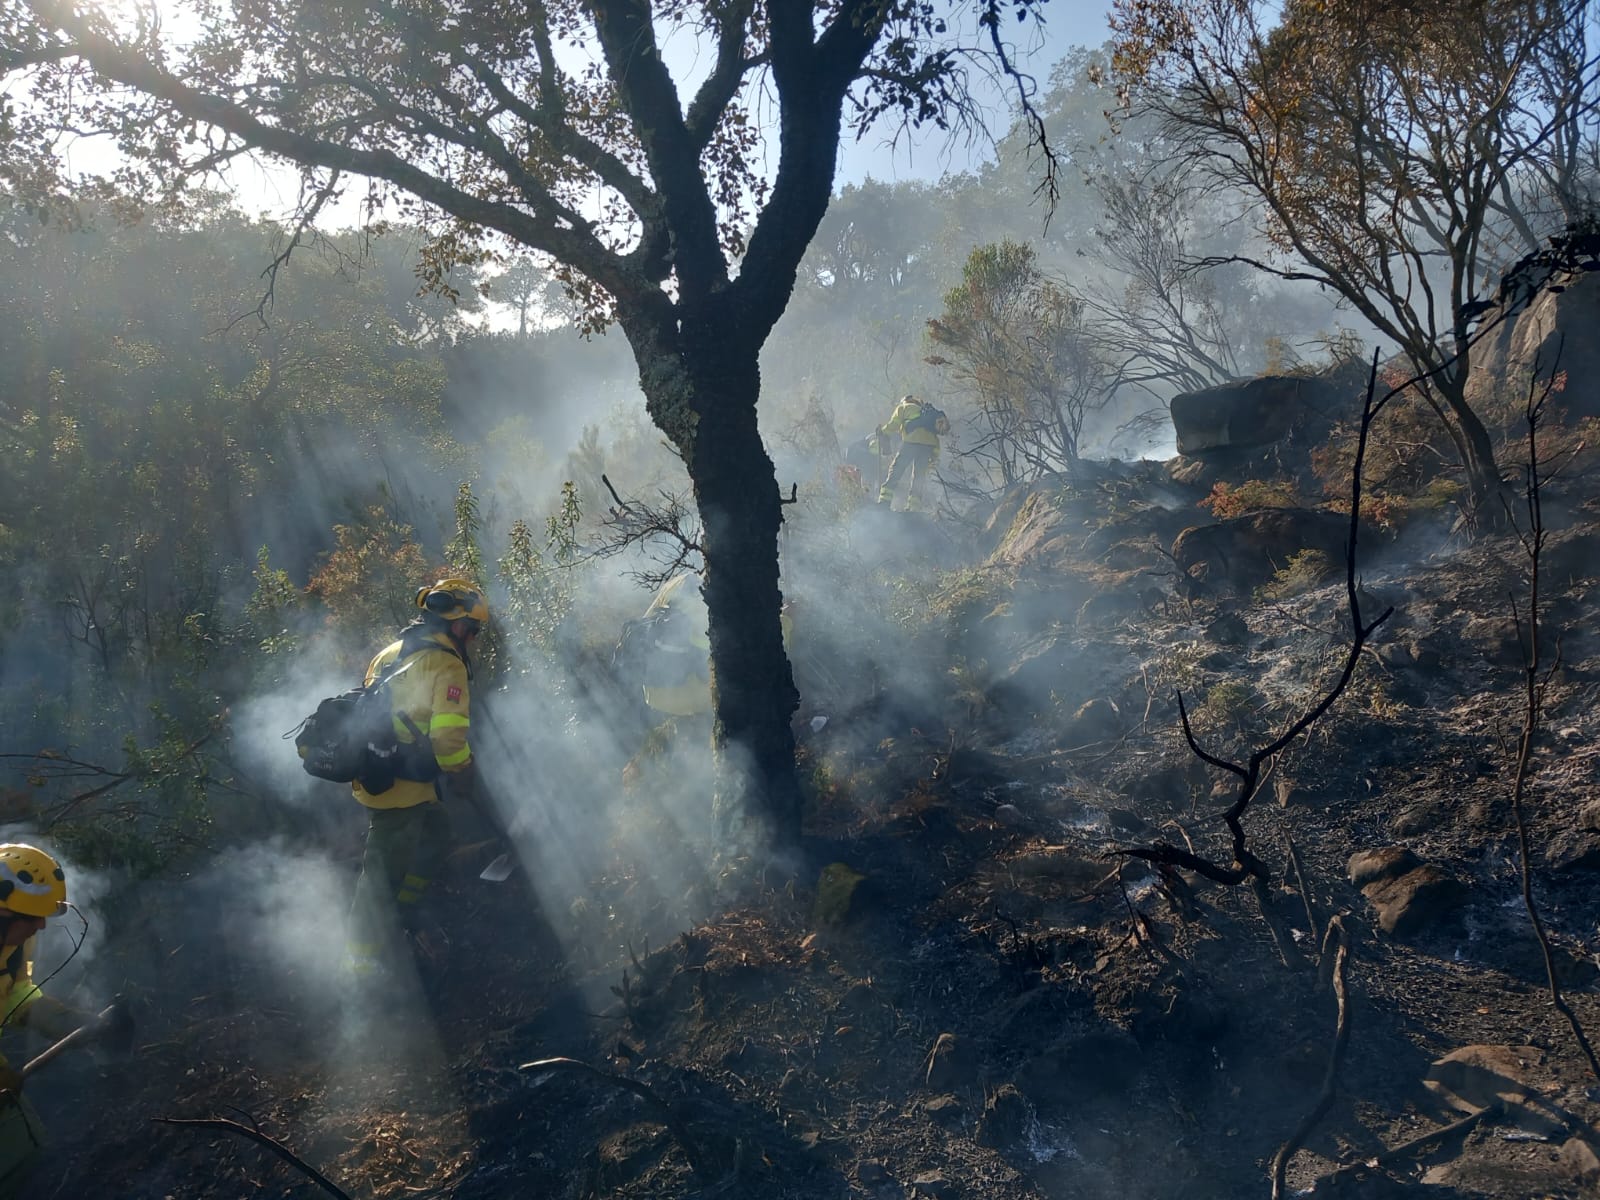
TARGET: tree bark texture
(701,382)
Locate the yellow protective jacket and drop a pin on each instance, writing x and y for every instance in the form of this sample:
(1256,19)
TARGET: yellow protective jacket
(907,410)
(23,1004)
(432,691)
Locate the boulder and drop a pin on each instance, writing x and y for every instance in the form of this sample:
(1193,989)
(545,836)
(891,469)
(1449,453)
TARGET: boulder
(1406,894)
(1007,1117)
(1246,551)
(951,1064)
(1554,323)
(1475,1077)
(1250,412)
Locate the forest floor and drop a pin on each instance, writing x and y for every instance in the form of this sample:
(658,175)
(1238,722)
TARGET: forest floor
(990,1001)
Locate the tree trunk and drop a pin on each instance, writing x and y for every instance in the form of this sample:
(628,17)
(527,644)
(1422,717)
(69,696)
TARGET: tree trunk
(756,808)
(1475,446)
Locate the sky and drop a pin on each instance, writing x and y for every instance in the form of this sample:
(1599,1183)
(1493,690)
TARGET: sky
(1067,24)
(924,155)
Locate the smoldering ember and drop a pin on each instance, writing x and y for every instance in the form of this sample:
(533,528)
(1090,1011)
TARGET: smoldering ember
(710,600)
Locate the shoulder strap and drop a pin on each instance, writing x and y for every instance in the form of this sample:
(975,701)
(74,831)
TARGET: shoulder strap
(414,641)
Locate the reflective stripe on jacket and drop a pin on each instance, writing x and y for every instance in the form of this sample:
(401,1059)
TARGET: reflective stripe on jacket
(431,691)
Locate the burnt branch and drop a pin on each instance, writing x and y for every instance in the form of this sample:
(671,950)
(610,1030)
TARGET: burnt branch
(1339,942)
(1328,1183)
(255,1135)
(1245,864)
(1536,679)
(667,531)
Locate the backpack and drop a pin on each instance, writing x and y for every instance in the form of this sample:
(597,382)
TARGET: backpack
(656,650)
(350,738)
(928,420)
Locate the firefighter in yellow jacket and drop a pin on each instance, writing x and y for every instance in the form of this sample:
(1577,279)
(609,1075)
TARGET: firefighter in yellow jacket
(920,426)
(33,888)
(429,696)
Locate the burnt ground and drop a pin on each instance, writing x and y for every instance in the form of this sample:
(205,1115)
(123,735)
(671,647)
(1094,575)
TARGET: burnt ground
(1002,1006)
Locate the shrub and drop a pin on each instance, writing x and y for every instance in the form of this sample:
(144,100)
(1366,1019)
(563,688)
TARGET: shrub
(1306,569)
(1227,501)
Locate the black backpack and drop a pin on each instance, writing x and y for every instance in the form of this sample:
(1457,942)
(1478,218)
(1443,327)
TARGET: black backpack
(657,650)
(927,420)
(350,737)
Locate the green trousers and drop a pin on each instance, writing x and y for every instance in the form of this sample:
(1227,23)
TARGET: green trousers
(913,461)
(404,849)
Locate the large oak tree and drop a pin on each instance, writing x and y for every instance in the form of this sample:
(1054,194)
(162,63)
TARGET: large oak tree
(679,212)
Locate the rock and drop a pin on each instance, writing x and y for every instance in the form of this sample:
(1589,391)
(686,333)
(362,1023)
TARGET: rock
(1228,630)
(1552,322)
(951,1064)
(1369,866)
(1406,893)
(1007,1117)
(944,1110)
(1579,1162)
(1573,850)
(1407,904)
(872,1174)
(935,1185)
(1246,551)
(1589,816)
(1475,1077)
(1251,412)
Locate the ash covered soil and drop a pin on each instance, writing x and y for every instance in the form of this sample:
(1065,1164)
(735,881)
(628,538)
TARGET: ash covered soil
(986,999)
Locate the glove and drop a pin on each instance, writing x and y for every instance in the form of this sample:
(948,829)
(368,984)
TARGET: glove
(10,1083)
(115,1028)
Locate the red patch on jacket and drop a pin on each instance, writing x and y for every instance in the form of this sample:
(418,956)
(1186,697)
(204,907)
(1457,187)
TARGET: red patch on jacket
(452,693)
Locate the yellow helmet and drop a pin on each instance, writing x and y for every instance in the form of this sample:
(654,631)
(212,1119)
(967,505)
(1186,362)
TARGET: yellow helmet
(454,600)
(31,882)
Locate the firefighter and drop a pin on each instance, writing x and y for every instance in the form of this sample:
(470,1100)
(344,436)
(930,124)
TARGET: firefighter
(33,888)
(407,824)
(920,426)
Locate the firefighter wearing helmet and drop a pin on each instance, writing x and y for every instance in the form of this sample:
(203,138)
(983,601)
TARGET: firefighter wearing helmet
(33,888)
(429,697)
(920,426)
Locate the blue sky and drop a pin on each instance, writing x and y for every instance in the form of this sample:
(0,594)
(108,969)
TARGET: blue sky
(1068,23)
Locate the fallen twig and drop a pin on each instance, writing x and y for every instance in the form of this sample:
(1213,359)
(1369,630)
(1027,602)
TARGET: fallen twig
(255,1135)
(1301,882)
(1408,1148)
(669,1118)
(1340,942)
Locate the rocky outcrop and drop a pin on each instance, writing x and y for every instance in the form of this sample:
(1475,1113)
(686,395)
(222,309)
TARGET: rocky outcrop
(1251,412)
(1246,551)
(1554,324)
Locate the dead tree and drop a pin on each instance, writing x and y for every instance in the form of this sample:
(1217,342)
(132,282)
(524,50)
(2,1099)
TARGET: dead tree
(1536,681)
